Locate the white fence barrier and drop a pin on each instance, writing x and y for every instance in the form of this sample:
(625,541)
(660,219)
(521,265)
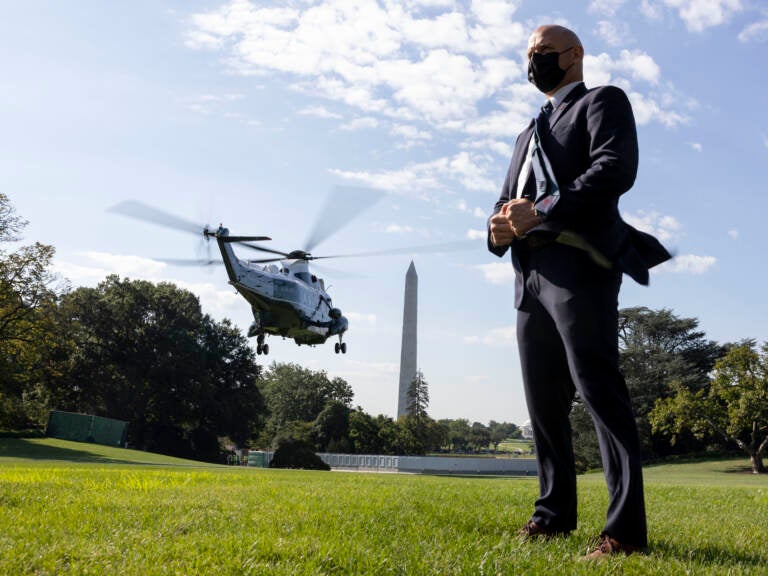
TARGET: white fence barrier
(418,464)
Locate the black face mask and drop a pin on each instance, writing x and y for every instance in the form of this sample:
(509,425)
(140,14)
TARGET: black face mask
(544,72)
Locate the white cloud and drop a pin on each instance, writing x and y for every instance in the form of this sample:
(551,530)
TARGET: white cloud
(605,7)
(377,58)
(410,134)
(651,10)
(210,103)
(98,265)
(318,112)
(126,266)
(665,228)
(638,64)
(398,229)
(699,15)
(477,212)
(477,234)
(361,318)
(364,123)
(734,234)
(688,264)
(755,32)
(213,300)
(696,146)
(498,272)
(501,147)
(502,337)
(470,170)
(648,109)
(612,33)
(438,65)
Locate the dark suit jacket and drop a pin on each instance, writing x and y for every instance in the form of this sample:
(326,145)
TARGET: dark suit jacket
(591,144)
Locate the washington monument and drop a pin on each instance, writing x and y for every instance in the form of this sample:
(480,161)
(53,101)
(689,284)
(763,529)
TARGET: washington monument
(408,349)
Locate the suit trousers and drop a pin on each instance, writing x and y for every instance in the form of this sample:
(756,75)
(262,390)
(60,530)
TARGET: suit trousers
(567,331)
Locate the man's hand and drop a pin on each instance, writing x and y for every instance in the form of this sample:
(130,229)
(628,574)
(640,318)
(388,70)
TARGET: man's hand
(516,219)
(521,215)
(501,230)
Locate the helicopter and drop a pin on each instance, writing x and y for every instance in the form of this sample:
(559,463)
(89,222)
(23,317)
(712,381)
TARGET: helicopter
(287,299)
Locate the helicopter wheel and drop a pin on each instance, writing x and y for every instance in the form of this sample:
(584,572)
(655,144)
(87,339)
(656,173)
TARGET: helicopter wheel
(337,348)
(265,349)
(343,347)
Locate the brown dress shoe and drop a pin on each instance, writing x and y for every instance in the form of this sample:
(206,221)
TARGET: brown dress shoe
(608,546)
(532,531)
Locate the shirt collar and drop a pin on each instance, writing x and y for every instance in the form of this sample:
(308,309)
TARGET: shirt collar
(557,98)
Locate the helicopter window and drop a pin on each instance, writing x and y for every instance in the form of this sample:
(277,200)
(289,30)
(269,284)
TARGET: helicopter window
(314,278)
(303,276)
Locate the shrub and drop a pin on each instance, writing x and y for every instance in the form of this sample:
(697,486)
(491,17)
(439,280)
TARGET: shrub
(292,453)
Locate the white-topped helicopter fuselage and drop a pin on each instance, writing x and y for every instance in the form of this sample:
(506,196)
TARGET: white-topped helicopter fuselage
(287,299)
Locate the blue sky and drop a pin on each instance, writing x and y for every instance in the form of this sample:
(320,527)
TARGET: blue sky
(249,113)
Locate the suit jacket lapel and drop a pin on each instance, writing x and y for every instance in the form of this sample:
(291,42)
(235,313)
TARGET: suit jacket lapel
(573,95)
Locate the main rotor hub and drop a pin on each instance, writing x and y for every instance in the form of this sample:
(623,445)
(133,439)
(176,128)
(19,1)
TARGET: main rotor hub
(299,255)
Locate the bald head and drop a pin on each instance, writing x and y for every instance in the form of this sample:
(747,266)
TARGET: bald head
(552,38)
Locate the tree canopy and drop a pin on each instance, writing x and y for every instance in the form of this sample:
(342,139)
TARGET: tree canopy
(734,406)
(658,350)
(145,353)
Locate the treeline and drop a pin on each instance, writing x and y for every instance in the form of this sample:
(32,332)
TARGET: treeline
(146,353)
(306,405)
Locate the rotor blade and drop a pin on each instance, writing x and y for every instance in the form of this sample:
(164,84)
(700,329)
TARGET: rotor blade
(265,260)
(335,272)
(340,208)
(458,246)
(244,238)
(141,211)
(263,249)
(189,262)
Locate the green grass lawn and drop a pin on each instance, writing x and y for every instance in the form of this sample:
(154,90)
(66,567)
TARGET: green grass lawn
(68,508)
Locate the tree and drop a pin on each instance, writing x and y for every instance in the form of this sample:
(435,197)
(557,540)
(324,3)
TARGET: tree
(27,300)
(479,436)
(331,428)
(734,406)
(415,425)
(145,353)
(458,434)
(364,433)
(500,431)
(657,349)
(296,394)
(418,396)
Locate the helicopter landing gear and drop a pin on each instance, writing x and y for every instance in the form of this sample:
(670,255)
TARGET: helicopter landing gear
(261,346)
(340,347)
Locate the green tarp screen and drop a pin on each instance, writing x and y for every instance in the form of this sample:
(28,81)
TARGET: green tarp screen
(86,428)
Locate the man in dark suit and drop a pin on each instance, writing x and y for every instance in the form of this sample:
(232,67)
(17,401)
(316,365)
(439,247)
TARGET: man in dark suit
(558,212)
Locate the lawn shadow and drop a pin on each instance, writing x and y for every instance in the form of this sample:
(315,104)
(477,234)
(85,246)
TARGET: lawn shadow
(739,469)
(23,448)
(710,555)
